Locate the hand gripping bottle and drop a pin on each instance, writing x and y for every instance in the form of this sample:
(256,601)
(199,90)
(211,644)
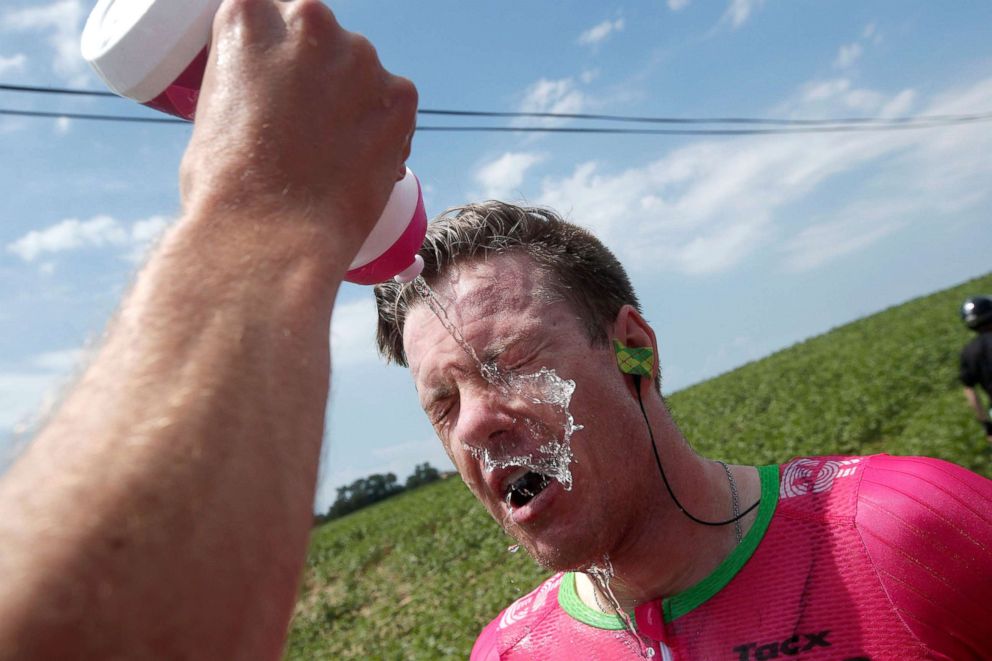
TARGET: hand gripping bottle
(155,52)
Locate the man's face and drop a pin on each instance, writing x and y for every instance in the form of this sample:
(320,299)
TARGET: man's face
(501,308)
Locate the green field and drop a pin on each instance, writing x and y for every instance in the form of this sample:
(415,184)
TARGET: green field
(417,576)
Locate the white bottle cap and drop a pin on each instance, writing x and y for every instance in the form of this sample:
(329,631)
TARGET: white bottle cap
(139,47)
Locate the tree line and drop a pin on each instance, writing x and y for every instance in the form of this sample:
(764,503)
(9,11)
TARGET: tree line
(366,491)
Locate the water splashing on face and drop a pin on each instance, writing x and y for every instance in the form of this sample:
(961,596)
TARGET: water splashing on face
(553,457)
(601,576)
(488,371)
(544,387)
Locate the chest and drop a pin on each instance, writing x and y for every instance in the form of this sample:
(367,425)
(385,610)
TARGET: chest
(808,592)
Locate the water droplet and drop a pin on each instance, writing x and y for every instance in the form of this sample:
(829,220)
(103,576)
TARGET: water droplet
(602,575)
(543,387)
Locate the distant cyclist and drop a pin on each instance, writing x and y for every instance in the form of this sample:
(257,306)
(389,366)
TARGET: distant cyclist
(976,358)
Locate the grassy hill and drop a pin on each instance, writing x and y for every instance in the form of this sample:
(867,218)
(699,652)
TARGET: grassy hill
(417,576)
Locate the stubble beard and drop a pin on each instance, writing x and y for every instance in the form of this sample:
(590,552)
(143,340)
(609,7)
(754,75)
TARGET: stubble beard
(575,553)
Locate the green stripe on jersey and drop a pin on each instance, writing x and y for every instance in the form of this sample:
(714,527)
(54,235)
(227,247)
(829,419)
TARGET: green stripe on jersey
(695,596)
(677,606)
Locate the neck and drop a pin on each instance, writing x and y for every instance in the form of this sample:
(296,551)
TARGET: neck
(666,552)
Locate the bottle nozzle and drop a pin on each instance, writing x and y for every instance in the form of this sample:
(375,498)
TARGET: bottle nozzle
(410,272)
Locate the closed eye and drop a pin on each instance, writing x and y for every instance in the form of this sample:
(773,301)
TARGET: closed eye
(439,411)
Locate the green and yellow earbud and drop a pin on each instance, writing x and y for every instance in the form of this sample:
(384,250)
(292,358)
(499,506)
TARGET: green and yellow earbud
(634,360)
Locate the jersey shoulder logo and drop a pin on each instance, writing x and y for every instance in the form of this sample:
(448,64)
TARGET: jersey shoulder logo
(810,475)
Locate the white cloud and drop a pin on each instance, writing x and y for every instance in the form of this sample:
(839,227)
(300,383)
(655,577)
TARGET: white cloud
(70,234)
(62,361)
(867,101)
(144,234)
(856,229)
(12,64)
(62,125)
(712,205)
(353,333)
(28,394)
(824,95)
(677,5)
(739,11)
(149,229)
(825,89)
(598,33)
(688,212)
(871,33)
(502,178)
(62,20)
(98,232)
(848,55)
(557,96)
(21,394)
(899,105)
(589,75)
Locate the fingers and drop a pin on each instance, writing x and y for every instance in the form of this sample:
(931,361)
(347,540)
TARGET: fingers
(310,19)
(251,21)
(407,117)
(301,104)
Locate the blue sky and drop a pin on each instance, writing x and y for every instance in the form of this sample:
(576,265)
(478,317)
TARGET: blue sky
(739,246)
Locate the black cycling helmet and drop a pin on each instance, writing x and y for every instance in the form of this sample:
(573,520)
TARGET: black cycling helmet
(976,312)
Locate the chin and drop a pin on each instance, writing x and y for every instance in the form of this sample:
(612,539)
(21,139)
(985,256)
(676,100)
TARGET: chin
(563,555)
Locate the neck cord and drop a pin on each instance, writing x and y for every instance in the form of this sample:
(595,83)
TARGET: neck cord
(737,516)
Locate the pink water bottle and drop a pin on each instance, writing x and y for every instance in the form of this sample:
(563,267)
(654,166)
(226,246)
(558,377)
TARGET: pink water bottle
(155,52)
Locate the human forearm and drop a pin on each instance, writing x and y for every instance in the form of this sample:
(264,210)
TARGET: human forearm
(202,414)
(975,402)
(163,512)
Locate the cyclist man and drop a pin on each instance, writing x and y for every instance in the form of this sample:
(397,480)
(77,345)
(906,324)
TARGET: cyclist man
(976,358)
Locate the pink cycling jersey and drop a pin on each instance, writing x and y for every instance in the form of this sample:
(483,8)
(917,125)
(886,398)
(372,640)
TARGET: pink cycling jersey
(850,558)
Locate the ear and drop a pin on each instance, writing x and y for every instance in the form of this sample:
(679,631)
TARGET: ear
(631,330)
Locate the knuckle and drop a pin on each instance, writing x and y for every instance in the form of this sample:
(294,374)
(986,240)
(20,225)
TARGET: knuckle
(363,51)
(241,11)
(403,99)
(311,16)
(406,94)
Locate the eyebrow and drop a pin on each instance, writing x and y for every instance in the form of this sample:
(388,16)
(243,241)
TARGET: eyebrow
(491,353)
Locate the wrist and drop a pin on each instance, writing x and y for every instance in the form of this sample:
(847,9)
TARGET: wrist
(279,268)
(328,220)
(262,235)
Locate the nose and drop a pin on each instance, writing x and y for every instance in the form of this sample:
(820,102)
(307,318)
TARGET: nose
(485,415)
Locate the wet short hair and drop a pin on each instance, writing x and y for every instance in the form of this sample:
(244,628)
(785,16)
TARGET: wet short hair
(582,270)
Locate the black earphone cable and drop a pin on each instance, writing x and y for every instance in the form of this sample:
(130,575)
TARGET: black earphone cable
(664,478)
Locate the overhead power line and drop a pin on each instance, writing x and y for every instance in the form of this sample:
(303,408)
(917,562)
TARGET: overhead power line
(36,89)
(880,121)
(105,118)
(560,129)
(924,121)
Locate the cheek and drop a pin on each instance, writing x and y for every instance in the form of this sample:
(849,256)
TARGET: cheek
(465,464)
(597,394)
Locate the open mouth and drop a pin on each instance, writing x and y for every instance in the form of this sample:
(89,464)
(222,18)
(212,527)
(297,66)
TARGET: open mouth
(525,488)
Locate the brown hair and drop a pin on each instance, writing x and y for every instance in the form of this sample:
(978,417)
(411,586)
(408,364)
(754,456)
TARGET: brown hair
(583,271)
